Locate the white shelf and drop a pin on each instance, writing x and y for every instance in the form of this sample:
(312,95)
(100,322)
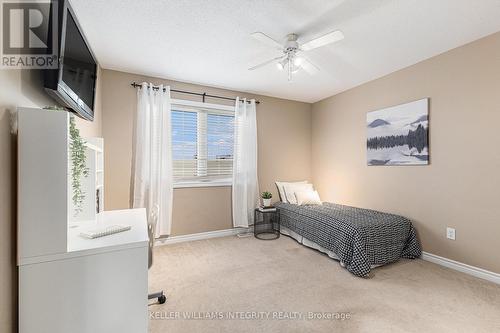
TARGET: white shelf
(93,147)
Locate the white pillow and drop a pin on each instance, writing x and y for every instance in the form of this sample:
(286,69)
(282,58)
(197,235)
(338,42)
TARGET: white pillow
(281,189)
(291,189)
(308,198)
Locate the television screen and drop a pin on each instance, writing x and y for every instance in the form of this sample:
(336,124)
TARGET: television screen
(79,67)
(73,83)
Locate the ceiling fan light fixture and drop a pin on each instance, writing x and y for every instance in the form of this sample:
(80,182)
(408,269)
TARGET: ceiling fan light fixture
(289,60)
(297,61)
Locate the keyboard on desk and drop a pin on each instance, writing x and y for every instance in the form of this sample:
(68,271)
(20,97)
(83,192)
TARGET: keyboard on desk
(104,231)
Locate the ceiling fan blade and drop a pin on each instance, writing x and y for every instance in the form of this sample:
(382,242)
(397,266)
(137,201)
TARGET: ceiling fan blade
(263,38)
(265,63)
(308,66)
(329,38)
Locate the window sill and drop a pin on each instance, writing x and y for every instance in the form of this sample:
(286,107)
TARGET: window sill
(214,183)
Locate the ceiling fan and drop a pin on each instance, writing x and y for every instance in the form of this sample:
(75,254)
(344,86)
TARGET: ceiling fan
(291,60)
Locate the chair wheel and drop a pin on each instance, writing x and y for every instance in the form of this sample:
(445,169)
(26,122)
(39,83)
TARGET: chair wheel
(162,299)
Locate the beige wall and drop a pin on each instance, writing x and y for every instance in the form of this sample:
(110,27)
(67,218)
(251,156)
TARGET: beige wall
(18,88)
(461,186)
(284,138)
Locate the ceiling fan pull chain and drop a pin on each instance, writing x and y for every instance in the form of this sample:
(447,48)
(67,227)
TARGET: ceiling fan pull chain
(289,70)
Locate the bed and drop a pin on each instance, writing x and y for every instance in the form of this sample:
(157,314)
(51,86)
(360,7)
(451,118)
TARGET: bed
(360,238)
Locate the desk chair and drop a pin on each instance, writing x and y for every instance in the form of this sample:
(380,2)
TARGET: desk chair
(152,222)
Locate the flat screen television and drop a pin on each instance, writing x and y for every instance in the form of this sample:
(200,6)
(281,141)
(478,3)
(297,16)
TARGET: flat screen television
(73,83)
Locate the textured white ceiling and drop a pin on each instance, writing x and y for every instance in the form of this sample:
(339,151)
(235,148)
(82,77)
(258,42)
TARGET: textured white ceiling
(208,41)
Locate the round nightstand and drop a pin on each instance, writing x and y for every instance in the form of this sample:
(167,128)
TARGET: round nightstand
(266,224)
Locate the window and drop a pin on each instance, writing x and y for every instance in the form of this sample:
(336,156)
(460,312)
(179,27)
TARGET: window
(202,143)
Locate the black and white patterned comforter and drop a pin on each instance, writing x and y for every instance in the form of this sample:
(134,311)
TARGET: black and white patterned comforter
(359,237)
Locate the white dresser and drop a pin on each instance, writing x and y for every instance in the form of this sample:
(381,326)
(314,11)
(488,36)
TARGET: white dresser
(68,283)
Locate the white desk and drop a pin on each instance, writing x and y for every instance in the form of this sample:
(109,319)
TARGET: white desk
(98,286)
(135,237)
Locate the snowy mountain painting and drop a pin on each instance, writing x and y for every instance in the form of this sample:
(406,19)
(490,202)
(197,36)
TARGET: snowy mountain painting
(399,135)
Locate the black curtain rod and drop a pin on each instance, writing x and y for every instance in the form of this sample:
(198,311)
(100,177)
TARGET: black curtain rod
(202,95)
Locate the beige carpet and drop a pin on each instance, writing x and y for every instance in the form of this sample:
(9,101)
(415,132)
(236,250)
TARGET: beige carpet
(221,279)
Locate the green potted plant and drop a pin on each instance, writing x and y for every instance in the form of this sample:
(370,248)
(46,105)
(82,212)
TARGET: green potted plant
(266,198)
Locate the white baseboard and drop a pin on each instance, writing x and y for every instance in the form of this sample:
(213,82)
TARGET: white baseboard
(461,267)
(201,235)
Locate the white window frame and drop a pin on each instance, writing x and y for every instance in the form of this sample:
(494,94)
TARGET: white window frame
(184,105)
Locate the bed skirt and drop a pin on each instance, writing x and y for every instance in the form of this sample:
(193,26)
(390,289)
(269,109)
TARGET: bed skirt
(306,242)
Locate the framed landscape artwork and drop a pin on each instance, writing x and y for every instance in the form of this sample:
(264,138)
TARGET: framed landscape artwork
(399,135)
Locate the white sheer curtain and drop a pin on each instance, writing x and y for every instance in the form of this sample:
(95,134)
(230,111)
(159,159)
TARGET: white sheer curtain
(152,181)
(245,183)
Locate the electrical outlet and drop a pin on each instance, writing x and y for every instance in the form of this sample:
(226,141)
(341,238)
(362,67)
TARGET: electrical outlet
(450,233)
